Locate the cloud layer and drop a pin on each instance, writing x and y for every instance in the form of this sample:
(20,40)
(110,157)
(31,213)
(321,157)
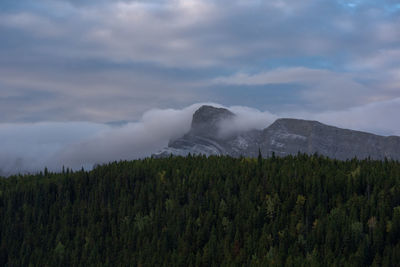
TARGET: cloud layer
(66,60)
(31,147)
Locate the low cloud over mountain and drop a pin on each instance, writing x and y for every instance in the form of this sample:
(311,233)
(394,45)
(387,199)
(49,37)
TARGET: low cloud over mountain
(29,147)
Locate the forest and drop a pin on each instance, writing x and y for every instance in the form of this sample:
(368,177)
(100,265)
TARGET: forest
(303,210)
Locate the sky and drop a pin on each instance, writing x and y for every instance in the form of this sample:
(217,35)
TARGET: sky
(81,79)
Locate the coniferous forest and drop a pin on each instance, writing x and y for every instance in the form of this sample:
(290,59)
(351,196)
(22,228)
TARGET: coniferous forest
(198,211)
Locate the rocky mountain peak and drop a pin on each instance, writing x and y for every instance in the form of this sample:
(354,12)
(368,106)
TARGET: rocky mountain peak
(304,127)
(206,120)
(283,137)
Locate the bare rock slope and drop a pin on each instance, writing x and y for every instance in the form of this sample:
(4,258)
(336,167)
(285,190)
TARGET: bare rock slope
(283,137)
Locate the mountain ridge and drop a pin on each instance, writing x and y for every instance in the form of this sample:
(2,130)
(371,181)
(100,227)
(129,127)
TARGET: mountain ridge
(285,136)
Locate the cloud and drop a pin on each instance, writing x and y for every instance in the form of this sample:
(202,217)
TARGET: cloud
(246,119)
(72,94)
(29,147)
(378,117)
(68,60)
(132,140)
(197,33)
(322,89)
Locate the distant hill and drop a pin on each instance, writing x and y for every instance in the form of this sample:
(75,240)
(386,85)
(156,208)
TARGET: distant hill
(283,137)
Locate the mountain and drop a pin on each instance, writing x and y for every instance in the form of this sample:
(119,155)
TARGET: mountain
(283,137)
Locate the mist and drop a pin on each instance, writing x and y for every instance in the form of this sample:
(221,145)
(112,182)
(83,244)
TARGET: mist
(30,147)
(245,119)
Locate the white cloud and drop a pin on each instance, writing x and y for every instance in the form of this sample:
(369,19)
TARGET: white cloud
(246,119)
(30,147)
(133,140)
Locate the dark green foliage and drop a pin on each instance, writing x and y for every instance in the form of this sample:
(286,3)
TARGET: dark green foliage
(198,211)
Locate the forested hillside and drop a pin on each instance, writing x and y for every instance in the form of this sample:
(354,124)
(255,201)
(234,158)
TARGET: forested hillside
(197,211)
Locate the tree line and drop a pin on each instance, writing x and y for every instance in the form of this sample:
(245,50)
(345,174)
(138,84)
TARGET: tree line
(304,210)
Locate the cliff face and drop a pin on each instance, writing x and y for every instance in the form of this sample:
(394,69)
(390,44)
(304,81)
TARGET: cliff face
(283,137)
(206,121)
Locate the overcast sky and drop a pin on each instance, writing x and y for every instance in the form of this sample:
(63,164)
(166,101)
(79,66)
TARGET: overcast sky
(70,66)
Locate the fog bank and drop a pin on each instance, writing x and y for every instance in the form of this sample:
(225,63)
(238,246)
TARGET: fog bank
(29,147)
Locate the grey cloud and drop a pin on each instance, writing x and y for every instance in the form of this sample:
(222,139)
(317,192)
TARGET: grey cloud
(321,88)
(98,95)
(204,33)
(48,44)
(378,117)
